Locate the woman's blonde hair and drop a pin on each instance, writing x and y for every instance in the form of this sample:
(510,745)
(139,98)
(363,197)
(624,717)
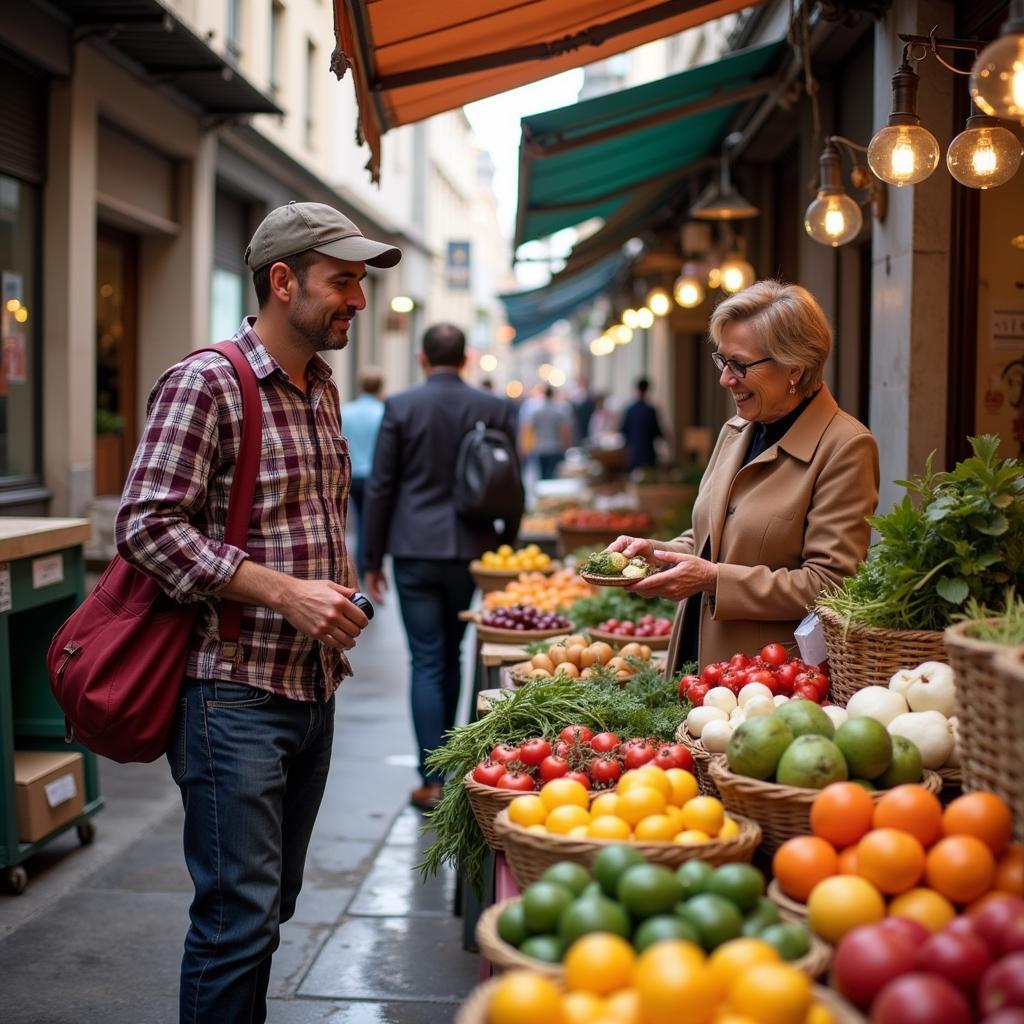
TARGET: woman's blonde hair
(788,322)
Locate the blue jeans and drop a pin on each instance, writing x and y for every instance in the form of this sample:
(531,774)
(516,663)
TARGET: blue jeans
(251,768)
(431,593)
(549,463)
(357,490)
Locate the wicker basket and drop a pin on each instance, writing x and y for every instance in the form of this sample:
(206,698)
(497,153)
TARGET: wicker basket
(530,854)
(503,956)
(701,759)
(656,643)
(493,635)
(474,1009)
(860,656)
(781,811)
(487,802)
(789,909)
(497,579)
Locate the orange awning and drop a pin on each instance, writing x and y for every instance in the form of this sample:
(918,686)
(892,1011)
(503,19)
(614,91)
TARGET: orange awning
(413,59)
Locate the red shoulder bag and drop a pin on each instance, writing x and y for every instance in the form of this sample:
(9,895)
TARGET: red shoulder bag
(117,664)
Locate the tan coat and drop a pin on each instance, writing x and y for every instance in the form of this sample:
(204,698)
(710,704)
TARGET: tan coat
(782,527)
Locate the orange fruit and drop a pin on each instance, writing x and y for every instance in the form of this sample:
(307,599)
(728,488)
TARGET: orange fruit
(673,983)
(638,803)
(656,828)
(772,993)
(738,955)
(689,836)
(527,810)
(655,777)
(623,1007)
(562,819)
(913,809)
(684,785)
(559,792)
(801,863)
(581,1007)
(599,963)
(608,827)
(841,903)
(925,906)
(603,804)
(704,813)
(893,861)
(960,867)
(983,815)
(848,861)
(730,828)
(525,995)
(841,813)
(1010,871)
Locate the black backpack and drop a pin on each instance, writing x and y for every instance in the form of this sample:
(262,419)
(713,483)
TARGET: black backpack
(488,483)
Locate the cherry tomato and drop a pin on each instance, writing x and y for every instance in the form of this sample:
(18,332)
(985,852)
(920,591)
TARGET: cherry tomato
(553,767)
(774,654)
(605,769)
(576,732)
(786,677)
(487,773)
(712,674)
(684,685)
(604,742)
(765,678)
(697,692)
(533,751)
(505,752)
(518,781)
(673,755)
(739,661)
(806,690)
(734,679)
(561,748)
(581,777)
(637,752)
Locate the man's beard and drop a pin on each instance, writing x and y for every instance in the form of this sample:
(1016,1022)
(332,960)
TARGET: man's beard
(308,322)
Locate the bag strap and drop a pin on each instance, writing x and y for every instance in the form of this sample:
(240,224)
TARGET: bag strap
(243,485)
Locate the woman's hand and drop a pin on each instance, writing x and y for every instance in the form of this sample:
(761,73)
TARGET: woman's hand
(633,546)
(687,575)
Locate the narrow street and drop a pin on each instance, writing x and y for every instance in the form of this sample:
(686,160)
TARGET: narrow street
(97,935)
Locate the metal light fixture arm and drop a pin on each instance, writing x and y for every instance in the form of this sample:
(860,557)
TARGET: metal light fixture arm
(862,177)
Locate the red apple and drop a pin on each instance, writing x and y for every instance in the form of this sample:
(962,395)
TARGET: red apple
(867,959)
(921,999)
(1003,985)
(961,959)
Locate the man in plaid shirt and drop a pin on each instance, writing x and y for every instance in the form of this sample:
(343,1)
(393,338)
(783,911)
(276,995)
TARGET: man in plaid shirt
(251,744)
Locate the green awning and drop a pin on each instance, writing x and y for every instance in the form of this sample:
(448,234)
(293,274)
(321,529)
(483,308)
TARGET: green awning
(587,159)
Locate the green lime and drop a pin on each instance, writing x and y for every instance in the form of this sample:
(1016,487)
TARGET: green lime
(715,919)
(592,889)
(866,745)
(512,924)
(743,884)
(790,939)
(865,784)
(661,927)
(694,875)
(548,948)
(575,877)
(761,917)
(648,889)
(905,767)
(543,903)
(594,914)
(611,862)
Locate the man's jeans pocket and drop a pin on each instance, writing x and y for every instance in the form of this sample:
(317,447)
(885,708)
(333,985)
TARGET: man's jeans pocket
(178,742)
(236,695)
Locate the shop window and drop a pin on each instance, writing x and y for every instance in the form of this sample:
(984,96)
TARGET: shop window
(19,327)
(227,303)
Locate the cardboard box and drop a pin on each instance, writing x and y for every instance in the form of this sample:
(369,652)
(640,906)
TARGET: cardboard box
(49,791)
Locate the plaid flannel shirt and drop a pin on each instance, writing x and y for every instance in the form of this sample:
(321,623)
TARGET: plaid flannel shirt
(172,517)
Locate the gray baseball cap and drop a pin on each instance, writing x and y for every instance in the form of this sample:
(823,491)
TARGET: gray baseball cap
(299,227)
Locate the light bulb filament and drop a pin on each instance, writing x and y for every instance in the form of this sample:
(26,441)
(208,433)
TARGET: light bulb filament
(903,161)
(835,223)
(983,159)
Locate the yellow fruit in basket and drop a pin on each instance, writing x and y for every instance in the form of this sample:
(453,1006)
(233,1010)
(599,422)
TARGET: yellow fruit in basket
(525,995)
(561,820)
(655,777)
(926,906)
(623,1007)
(692,837)
(603,803)
(838,904)
(599,963)
(559,792)
(675,815)
(704,813)
(579,832)
(730,829)
(527,810)
(608,827)
(539,829)
(655,828)
(638,803)
(674,984)
(819,1013)
(582,1007)
(505,549)
(684,785)
(772,993)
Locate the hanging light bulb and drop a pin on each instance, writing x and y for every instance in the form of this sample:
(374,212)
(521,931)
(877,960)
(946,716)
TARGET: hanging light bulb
(833,218)
(622,334)
(644,318)
(984,154)
(722,201)
(659,302)
(903,153)
(997,78)
(736,273)
(629,318)
(689,288)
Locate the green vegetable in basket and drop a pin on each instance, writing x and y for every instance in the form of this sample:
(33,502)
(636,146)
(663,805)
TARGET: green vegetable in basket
(606,563)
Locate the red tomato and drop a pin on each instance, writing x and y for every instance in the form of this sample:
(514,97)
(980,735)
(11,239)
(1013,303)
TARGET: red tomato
(576,732)
(673,755)
(663,627)
(553,767)
(774,654)
(765,678)
(684,685)
(867,959)
(919,998)
(961,959)
(786,677)
(518,781)
(605,769)
(712,674)
(561,748)
(604,741)
(626,629)
(697,692)
(487,773)
(505,752)
(739,661)
(734,679)
(533,751)
(637,752)
(815,679)
(581,777)
(806,690)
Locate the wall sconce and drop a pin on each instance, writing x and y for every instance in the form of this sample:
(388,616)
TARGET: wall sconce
(688,290)
(659,302)
(737,273)
(723,202)
(985,154)
(834,218)
(904,152)
(997,78)
(644,318)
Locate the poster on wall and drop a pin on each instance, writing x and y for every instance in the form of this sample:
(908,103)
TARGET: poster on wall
(1003,401)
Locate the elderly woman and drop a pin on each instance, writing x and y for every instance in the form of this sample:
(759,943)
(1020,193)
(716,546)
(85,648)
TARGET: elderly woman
(781,509)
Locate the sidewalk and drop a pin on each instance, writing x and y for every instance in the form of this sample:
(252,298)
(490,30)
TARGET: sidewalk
(96,938)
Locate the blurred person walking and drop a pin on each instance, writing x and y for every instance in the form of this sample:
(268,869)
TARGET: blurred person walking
(641,428)
(410,514)
(360,420)
(552,425)
(251,745)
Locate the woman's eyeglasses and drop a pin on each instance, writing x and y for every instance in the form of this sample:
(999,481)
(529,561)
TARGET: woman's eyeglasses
(736,368)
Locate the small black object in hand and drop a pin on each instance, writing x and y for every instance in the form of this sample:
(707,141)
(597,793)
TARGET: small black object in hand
(362,602)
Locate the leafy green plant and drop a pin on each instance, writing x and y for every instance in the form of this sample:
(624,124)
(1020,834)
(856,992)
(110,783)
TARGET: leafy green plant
(1003,625)
(613,603)
(955,536)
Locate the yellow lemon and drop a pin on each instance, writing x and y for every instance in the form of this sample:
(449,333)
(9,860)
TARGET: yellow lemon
(579,832)
(704,813)
(656,778)
(656,827)
(562,792)
(734,957)
(730,828)
(599,963)
(639,802)
(582,1007)
(675,815)
(629,780)
(684,785)
(540,829)
(525,995)
(562,819)
(608,827)
(690,836)
(674,984)
(772,994)
(603,804)
(527,810)
(624,1006)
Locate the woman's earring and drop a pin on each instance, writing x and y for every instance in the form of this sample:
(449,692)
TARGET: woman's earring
(792,388)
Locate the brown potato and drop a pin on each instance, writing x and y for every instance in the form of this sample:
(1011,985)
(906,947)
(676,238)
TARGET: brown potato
(540,673)
(603,651)
(542,661)
(557,653)
(576,641)
(588,656)
(630,650)
(572,654)
(618,663)
(587,673)
(623,674)
(567,668)
(645,652)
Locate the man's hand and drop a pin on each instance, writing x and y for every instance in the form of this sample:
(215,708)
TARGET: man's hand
(322,609)
(633,546)
(376,583)
(687,575)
